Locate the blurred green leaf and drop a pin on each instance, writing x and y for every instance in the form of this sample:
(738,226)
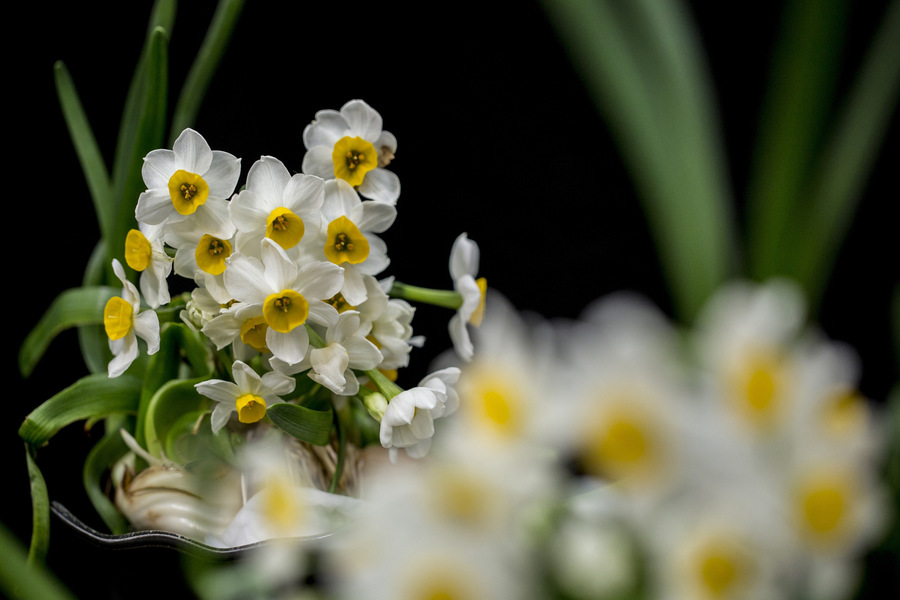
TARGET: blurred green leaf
(842,170)
(26,580)
(302,423)
(642,63)
(202,70)
(799,96)
(73,307)
(91,396)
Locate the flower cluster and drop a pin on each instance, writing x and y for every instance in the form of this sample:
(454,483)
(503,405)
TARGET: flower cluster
(284,274)
(618,456)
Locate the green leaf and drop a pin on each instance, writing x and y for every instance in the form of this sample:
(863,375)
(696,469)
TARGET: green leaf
(202,70)
(92,396)
(177,344)
(142,130)
(40,506)
(89,155)
(107,451)
(168,404)
(842,171)
(641,62)
(798,99)
(73,307)
(26,580)
(304,424)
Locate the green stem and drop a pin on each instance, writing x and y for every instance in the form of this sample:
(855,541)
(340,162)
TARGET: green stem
(445,298)
(388,388)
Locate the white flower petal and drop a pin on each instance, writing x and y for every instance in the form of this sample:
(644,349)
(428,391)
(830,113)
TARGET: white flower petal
(381,185)
(362,119)
(192,152)
(328,127)
(290,347)
(317,161)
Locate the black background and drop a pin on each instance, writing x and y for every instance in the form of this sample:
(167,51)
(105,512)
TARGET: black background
(493,129)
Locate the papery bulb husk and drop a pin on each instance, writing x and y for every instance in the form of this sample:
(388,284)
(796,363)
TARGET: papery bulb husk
(187,502)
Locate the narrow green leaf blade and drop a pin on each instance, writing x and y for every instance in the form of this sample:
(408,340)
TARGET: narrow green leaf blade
(641,62)
(142,130)
(796,110)
(40,505)
(304,424)
(86,148)
(202,70)
(841,173)
(92,396)
(73,307)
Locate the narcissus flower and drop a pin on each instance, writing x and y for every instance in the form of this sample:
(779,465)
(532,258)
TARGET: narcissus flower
(125,322)
(186,182)
(248,396)
(351,145)
(145,252)
(285,295)
(346,348)
(408,421)
(276,205)
(350,226)
(464,259)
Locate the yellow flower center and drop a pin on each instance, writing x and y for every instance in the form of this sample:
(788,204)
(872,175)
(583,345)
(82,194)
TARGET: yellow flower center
(720,569)
(345,243)
(340,303)
(285,311)
(137,250)
(253,333)
(285,228)
(118,318)
(760,388)
(845,413)
(478,313)
(188,191)
(623,442)
(211,253)
(250,408)
(493,401)
(353,158)
(824,503)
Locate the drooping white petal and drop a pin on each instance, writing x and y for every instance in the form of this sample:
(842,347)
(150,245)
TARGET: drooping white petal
(146,326)
(225,392)
(376,217)
(290,347)
(329,364)
(464,257)
(381,185)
